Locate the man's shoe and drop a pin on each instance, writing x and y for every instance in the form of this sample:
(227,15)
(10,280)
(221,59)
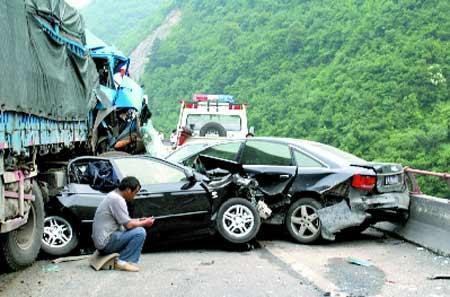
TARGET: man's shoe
(126,267)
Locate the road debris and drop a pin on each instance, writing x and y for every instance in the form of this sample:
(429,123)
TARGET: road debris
(51,268)
(70,258)
(207,263)
(359,262)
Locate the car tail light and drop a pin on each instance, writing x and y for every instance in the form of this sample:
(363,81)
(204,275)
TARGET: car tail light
(190,105)
(364,182)
(235,106)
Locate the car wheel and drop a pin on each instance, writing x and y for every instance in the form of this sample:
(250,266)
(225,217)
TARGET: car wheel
(60,237)
(302,220)
(238,220)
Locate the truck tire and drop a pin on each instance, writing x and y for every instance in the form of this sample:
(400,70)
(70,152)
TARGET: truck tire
(238,220)
(213,127)
(21,246)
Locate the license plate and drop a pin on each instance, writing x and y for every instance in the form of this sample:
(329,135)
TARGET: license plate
(391,179)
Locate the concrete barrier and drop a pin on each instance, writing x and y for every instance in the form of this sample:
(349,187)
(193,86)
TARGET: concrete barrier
(428,224)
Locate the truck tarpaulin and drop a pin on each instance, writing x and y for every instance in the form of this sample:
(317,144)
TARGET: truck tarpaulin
(45,69)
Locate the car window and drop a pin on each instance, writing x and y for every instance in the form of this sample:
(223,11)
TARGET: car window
(149,171)
(229,122)
(185,151)
(303,160)
(266,153)
(226,151)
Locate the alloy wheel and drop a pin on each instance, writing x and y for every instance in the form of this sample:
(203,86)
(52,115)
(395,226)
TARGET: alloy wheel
(57,232)
(238,220)
(305,222)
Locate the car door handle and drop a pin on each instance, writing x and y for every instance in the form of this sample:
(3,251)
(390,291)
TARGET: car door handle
(284,176)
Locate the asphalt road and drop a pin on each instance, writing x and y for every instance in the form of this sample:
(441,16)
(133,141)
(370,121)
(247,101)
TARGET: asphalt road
(274,266)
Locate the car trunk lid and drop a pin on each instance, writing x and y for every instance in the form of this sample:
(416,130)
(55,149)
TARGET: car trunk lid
(390,176)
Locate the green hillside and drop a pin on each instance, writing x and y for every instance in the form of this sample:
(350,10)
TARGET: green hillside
(370,77)
(123,23)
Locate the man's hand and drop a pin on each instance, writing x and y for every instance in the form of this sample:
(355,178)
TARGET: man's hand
(141,222)
(147,222)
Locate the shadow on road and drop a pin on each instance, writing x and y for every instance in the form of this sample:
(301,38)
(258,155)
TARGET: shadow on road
(216,243)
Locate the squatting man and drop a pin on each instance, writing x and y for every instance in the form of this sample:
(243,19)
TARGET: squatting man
(113,230)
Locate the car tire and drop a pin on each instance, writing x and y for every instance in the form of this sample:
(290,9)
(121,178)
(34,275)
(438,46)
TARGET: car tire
(238,220)
(302,221)
(60,236)
(213,126)
(21,246)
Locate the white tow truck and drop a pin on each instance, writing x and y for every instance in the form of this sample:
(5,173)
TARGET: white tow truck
(211,118)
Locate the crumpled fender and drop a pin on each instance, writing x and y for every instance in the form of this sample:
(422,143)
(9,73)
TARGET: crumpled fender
(339,216)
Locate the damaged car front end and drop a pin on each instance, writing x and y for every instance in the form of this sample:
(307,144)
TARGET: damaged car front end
(184,203)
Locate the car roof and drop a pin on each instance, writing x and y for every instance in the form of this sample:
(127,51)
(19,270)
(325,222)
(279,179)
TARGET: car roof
(329,154)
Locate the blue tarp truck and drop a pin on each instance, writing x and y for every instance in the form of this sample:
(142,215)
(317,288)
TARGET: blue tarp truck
(62,94)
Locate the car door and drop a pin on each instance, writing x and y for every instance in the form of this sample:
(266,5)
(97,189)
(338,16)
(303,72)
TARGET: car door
(166,194)
(270,163)
(84,191)
(310,170)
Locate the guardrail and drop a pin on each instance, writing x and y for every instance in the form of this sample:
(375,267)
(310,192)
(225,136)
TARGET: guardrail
(429,217)
(411,174)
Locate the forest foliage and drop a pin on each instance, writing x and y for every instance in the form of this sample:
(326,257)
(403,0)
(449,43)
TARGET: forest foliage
(124,24)
(369,77)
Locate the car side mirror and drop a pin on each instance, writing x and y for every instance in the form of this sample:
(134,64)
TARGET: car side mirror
(251,130)
(191,179)
(190,175)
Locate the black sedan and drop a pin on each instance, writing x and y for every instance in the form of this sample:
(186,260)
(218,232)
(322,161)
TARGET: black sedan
(314,189)
(183,202)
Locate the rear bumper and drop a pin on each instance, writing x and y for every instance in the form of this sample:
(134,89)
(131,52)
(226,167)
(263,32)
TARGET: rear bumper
(374,208)
(388,201)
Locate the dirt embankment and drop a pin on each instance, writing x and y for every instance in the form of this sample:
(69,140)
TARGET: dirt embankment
(142,53)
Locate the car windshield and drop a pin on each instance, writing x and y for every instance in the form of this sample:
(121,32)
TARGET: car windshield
(185,151)
(149,171)
(229,122)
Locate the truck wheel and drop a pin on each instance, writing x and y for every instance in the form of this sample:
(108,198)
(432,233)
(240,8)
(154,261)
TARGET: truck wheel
(213,128)
(238,220)
(60,237)
(21,246)
(302,221)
